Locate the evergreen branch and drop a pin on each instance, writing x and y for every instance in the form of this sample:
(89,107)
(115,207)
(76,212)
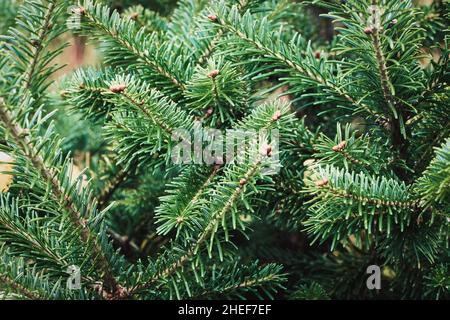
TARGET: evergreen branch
(397,125)
(25,54)
(214,90)
(158,108)
(21,138)
(24,234)
(18,288)
(433,186)
(274,50)
(362,152)
(44,31)
(111,186)
(235,281)
(209,49)
(144,121)
(146,18)
(184,200)
(374,192)
(370,202)
(384,76)
(84,92)
(361,188)
(193,249)
(183,20)
(24,280)
(237,178)
(137,47)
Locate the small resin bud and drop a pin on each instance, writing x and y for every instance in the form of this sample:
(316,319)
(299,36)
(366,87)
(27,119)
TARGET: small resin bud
(213,74)
(392,23)
(134,16)
(118,88)
(209,112)
(242,182)
(317,54)
(80,11)
(212,17)
(339,147)
(322,183)
(266,150)
(368,30)
(276,115)
(35,43)
(180,220)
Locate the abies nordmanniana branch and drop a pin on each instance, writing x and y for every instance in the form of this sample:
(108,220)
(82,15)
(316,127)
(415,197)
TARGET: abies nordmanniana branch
(362,158)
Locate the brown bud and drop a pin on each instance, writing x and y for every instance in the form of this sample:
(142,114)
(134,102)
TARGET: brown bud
(212,17)
(213,73)
(118,88)
(242,182)
(339,147)
(35,43)
(134,16)
(322,183)
(80,11)
(392,23)
(276,115)
(209,112)
(266,150)
(368,30)
(180,220)
(317,54)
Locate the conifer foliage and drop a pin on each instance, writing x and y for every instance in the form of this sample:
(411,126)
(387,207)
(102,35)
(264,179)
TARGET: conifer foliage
(362,163)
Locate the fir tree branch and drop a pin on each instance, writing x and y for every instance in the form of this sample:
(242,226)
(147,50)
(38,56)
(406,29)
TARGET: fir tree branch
(206,53)
(238,25)
(112,185)
(26,57)
(384,76)
(190,187)
(21,138)
(23,235)
(140,105)
(37,49)
(118,30)
(263,118)
(193,249)
(261,278)
(18,288)
(398,138)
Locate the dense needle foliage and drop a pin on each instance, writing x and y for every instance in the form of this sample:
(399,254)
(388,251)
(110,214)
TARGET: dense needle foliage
(359,97)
